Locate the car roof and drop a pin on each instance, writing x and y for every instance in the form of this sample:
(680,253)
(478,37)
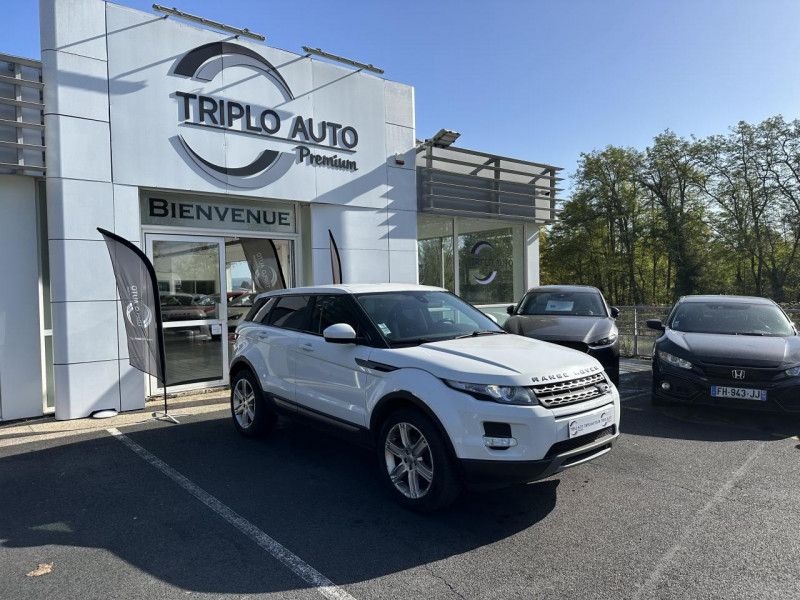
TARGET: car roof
(565,288)
(732,299)
(356,288)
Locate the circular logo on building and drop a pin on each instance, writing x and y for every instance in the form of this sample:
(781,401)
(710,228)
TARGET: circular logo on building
(476,250)
(138,314)
(215,114)
(238,123)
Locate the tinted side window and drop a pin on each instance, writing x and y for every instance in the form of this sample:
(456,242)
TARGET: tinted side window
(259,309)
(329,310)
(291,312)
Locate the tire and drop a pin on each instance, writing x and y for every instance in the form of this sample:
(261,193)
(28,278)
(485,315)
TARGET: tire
(252,417)
(432,482)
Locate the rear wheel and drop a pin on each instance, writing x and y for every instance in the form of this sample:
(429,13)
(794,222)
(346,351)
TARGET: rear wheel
(251,415)
(415,463)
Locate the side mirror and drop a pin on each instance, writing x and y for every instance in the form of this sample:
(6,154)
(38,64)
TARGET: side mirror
(510,310)
(340,333)
(614,312)
(655,324)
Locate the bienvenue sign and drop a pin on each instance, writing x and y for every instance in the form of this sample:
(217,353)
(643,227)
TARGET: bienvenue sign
(207,214)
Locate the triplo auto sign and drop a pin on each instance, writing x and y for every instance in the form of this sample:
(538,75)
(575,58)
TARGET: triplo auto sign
(324,143)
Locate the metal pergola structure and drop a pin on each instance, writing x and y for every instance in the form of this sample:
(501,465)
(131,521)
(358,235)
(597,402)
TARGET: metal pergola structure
(21,116)
(465,183)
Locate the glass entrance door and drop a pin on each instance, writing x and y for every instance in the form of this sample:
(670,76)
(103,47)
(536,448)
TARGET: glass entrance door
(191,282)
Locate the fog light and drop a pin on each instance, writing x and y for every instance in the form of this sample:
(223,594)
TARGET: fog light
(499,442)
(665,386)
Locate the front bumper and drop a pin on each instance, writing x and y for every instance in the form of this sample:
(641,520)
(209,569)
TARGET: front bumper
(489,474)
(692,387)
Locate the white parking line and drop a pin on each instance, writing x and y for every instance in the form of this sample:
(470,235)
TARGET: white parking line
(648,588)
(294,563)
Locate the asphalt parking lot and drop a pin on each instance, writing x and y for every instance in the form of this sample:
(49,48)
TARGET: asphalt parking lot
(691,503)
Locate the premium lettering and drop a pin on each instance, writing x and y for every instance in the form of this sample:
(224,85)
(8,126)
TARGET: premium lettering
(304,154)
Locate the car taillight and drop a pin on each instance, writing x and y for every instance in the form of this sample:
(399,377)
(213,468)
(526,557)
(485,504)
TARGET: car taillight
(232,336)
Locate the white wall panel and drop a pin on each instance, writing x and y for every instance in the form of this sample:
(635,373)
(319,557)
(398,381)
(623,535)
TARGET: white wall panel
(20,347)
(87,332)
(85,388)
(358,266)
(81,270)
(404,267)
(126,212)
(77,208)
(76,86)
(402,193)
(354,228)
(402,230)
(131,385)
(74,26)
(77,148)
(400,141)
(399,103)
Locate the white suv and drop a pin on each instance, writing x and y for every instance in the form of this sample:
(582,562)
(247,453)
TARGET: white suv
(446,396)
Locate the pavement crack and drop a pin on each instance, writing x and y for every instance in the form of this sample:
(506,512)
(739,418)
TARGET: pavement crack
(443,580)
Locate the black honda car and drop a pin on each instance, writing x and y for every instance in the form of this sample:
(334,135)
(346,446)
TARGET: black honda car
(727,351)
(575,316)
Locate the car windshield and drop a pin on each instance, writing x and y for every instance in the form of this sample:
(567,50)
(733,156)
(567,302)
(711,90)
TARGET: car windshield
(731,318)
(575,304)
(419,316)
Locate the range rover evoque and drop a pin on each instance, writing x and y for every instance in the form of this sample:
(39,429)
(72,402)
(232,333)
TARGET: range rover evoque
(445,396)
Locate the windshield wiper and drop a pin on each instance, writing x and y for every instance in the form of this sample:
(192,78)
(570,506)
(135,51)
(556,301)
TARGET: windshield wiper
(753,333)
(477,333)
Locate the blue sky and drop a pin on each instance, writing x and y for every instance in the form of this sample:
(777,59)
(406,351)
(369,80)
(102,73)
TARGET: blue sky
(541,81)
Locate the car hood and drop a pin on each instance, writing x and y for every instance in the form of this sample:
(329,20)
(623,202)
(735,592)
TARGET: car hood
(497,359)
(746,350)
(562,328)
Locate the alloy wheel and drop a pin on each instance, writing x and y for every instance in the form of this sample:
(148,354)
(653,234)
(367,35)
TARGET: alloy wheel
(409,461)
(244,402)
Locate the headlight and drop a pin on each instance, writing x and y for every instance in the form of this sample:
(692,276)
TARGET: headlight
(793,372)
(498,393)
(674,360)
(606,341)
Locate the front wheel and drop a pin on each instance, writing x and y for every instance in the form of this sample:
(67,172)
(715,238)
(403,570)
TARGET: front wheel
(251,415)
(415,463)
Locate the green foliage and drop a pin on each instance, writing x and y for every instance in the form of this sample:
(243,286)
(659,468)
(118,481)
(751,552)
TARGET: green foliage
(719,215)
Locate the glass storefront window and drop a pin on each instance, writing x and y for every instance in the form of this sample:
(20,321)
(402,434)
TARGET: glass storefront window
(435,248)
(489,259)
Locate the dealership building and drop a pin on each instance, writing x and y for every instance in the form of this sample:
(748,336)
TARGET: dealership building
(192,142)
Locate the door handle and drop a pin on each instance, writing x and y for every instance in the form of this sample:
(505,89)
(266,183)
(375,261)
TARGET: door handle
(263,336)
(306,347)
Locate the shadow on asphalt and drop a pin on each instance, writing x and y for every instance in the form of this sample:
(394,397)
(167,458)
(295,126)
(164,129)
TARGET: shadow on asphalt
(316,495)
(701,423)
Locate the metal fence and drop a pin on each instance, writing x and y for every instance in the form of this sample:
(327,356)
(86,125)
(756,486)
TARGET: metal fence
(635,339)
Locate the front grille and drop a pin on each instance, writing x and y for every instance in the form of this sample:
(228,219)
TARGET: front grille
(577,442)
(561,393)
(580,346)
(725,372)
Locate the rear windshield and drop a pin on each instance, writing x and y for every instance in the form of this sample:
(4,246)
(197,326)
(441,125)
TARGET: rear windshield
(731,318)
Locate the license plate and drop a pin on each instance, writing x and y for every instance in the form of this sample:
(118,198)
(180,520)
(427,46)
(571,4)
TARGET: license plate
(720,391)
(590,423)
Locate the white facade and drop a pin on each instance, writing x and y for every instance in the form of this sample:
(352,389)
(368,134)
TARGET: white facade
(21,393)
(116,125)
(171,135)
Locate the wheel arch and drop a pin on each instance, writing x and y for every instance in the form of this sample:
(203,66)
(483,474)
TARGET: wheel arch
(398,400)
